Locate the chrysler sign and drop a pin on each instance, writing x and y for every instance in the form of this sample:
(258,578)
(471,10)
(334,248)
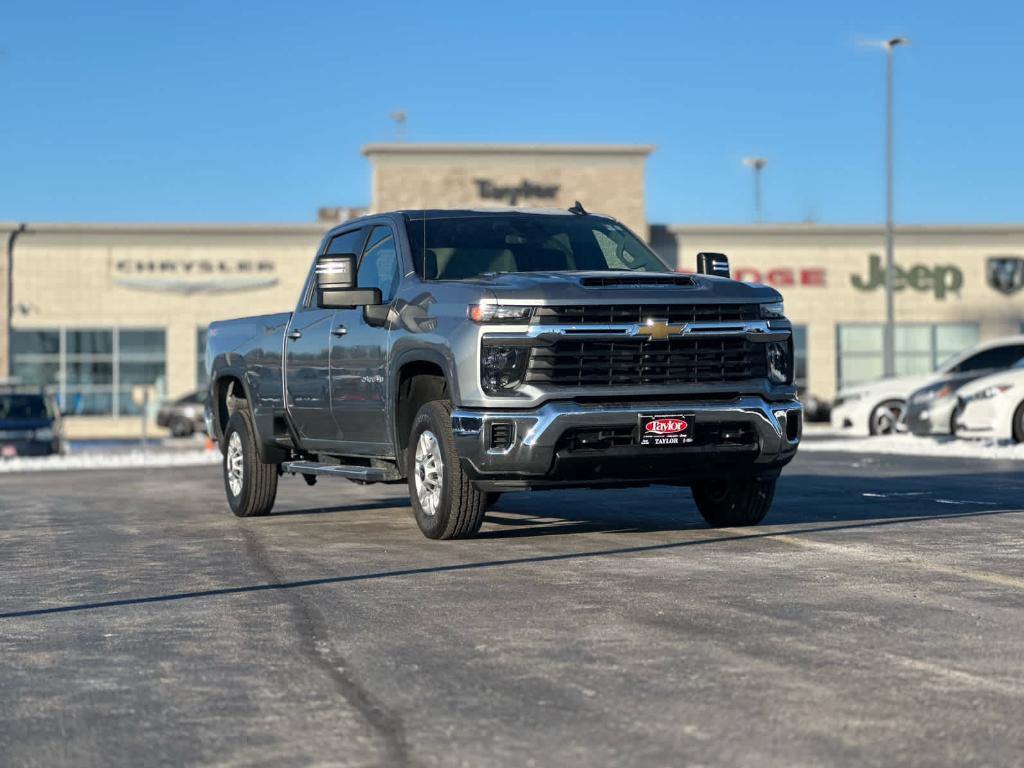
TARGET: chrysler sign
(190,276)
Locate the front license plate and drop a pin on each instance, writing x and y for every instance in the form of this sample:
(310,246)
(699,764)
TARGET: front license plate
(8,451)
(666,430)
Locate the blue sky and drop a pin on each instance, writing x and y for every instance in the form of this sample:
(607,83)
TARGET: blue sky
(224,111)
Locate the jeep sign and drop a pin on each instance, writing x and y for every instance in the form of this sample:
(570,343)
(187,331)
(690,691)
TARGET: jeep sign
(939,279)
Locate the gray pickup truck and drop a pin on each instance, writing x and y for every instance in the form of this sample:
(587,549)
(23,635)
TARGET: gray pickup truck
(469,353)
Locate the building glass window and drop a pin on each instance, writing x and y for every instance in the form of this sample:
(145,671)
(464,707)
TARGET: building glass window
(142,361)
(35,356)
(800,356)
(919,348)
(201,378)
(92,370)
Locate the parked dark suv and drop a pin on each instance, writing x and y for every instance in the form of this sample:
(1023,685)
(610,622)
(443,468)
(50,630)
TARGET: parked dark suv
(30,423)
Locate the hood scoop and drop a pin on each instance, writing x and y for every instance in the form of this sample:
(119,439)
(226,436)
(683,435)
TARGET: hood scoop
(639,281)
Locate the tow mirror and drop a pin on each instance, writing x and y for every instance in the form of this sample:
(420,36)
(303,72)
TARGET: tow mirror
(336,284)
(713,264)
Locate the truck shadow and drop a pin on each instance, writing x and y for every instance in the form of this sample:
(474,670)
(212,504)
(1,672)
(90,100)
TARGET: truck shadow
(799,499)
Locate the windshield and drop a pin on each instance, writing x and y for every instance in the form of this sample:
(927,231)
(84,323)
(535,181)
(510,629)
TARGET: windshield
(23,407)
(464,247)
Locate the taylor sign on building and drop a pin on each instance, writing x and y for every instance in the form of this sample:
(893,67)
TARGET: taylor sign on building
(606,178)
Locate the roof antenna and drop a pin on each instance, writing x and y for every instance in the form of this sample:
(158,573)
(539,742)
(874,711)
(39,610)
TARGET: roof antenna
(578,209)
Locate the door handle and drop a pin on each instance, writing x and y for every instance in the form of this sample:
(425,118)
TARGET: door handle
(294,335)
(340,331)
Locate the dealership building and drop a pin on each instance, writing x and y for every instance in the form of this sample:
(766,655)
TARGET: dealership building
(104,312)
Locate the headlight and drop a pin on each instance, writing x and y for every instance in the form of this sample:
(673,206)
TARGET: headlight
(933,393)
(773,311)
(46,434)
(780,361)
(502,367)
(989,392)
(498,313)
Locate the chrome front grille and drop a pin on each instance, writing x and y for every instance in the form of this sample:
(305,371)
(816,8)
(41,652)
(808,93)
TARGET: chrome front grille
(636,362)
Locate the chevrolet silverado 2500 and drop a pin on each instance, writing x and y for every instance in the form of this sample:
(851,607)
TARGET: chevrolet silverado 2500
(468,353)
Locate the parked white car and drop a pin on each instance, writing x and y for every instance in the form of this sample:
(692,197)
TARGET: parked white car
(878,408)
(993,406)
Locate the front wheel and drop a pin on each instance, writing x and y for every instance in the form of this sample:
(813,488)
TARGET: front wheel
(1018,424)
(887,417)
(251,485)
(446,503)
(729,502)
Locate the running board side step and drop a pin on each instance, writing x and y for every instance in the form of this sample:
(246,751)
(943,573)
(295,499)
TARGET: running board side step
(365,474)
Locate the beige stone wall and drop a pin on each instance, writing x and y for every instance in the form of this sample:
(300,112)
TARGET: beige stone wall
(69,277)
(605,179)
(776,254)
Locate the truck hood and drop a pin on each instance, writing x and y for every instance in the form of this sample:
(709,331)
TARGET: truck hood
(621,288)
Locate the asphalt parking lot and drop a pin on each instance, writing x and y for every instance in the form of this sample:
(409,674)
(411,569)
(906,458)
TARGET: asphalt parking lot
(876,618)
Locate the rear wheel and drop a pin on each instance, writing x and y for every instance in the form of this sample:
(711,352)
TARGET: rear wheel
(444,500)
(251,485)
(887,417)
(734,501)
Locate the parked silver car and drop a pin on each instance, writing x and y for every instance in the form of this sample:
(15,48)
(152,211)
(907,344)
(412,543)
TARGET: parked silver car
(183,416)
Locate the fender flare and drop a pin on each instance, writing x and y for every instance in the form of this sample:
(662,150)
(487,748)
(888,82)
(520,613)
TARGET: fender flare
(432,356)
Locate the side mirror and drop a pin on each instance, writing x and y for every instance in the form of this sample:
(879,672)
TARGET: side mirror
(336,284)
(713,264)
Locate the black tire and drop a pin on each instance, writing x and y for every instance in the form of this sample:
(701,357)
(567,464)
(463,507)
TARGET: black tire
(257,486)
(885,417)
(1018,424)
(738,501)
(181,428)
(460,506)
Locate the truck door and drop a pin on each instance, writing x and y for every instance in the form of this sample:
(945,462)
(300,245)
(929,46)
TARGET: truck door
(307,358)
(359,349)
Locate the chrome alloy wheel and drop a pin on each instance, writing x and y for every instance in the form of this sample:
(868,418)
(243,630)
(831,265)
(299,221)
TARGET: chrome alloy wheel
(233,464)
(888,418)
(428,473)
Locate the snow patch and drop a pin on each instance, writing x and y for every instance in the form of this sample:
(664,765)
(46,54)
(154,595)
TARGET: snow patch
(100,460)
(911,445)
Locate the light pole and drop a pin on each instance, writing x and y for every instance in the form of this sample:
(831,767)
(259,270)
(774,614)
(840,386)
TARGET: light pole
(399,119)
(889,347)
(758,164)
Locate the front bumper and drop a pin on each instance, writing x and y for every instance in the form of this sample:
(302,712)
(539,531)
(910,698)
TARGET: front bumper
(934,418)
(12,448)
(545,446)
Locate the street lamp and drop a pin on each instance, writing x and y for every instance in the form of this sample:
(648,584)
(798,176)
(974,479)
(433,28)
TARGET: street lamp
(758,164)
(399,119)
(889,349)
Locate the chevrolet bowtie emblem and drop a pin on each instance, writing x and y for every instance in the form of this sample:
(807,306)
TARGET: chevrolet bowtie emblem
(657,329)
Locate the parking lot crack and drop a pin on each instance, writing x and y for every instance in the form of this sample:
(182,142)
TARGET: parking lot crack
(315,641)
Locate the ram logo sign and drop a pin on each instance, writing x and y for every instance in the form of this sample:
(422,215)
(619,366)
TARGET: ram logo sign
(1006,273)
